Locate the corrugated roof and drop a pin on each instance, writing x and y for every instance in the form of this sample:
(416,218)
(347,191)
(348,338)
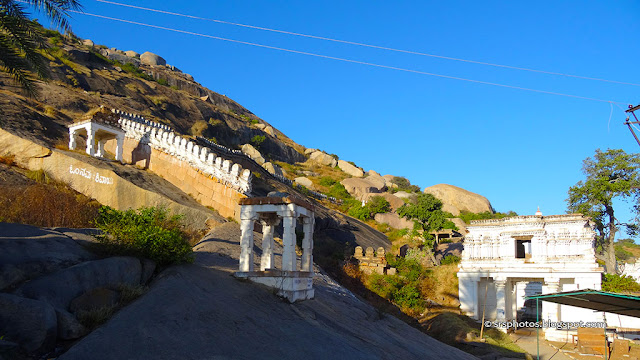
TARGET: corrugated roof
(615,303)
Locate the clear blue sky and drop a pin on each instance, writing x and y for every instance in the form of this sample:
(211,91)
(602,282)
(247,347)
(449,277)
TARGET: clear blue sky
(520,149)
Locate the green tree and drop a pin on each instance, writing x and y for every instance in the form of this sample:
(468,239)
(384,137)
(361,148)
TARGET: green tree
(612,174)
(427,211)
(20,38)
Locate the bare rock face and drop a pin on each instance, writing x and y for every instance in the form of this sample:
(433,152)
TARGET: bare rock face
(455,199)
(87,42)
(394,220)
(131,53)
(149,58)
(323,159)
(309,151)
(350,169)
(253,153)
(361,188)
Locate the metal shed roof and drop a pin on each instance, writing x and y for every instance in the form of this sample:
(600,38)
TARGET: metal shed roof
(596,300)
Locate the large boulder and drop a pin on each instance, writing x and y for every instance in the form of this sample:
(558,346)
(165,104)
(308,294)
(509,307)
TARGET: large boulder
(253,153)
(149,58)
(361,188)
(273,169)
(375,178)
(455,199)
(394,220)
(27,252)
(321,158)
(69,327)
(131,53)
(304,181)
(32,324)
(60,288)
(269,130)
(350,168)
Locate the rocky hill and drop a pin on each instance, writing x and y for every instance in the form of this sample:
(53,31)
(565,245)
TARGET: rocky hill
(34,137)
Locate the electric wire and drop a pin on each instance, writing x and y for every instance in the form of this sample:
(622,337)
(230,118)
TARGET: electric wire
(344,59)
(367,45)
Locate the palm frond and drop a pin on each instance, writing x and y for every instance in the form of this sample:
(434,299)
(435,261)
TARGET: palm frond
(57,10)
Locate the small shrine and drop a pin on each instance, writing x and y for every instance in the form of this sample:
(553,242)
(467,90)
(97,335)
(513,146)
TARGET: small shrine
(100,127)
(371,262)
(292,283)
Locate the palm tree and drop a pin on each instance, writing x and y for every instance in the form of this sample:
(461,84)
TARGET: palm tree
(21,38)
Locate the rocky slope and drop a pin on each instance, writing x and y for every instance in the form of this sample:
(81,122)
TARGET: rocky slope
(189,312)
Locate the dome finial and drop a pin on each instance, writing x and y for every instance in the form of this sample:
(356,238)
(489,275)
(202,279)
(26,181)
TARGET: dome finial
(538,213)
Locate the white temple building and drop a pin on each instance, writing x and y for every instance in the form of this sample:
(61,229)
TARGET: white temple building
(506,259)
(98,130)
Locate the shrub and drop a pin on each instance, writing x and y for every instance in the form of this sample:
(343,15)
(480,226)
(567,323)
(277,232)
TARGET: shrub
(327,181)
(467,216)
(146,232)
(199,128)
(257,140)
(134,70)
(254,121)
(404,288)
(378,205)
(619,283)
(450,259)
(163,82)
(338,191)
(404,185)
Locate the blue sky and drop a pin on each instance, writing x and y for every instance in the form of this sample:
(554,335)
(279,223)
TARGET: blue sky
(519,149)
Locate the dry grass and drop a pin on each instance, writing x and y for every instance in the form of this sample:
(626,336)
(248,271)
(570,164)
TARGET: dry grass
(93,318)
(8,159)
(128,293)
(46,203)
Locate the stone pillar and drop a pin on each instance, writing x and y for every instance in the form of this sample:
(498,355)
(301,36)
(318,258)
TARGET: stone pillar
(100,152)
(91,139)
(119,146)
(289,242)
(307,244)
(72,139)
(468,294)
(501,298)
(550,311)
(268,225)
(246,243)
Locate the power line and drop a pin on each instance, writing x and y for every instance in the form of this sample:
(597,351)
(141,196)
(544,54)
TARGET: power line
(368,45)
(346,60)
